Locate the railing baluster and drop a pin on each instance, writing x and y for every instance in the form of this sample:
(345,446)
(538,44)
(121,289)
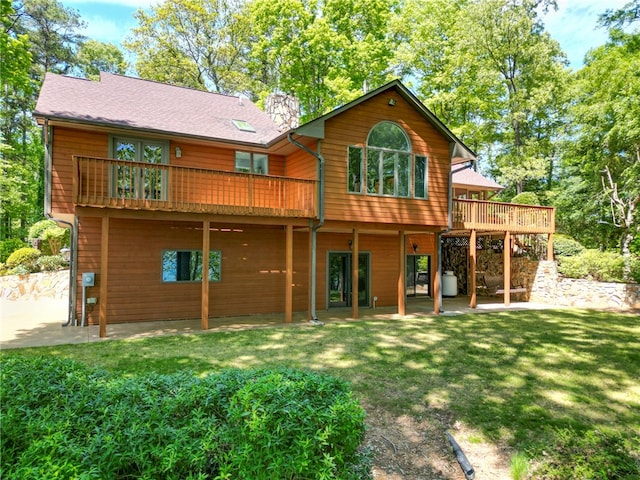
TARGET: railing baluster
(125,184)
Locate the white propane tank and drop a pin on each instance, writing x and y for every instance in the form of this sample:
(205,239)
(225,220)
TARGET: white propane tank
(449,284)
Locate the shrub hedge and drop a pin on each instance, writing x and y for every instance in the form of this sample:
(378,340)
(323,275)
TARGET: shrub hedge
(565,246)
(597,265)
(62,419)
(26,258)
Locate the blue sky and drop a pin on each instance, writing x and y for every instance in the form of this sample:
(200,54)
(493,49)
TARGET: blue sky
(573,25)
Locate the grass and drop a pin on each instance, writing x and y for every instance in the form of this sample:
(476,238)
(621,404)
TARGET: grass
(509,377)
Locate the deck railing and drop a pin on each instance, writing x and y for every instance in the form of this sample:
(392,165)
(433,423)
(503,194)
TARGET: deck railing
(100,182)
(495,216)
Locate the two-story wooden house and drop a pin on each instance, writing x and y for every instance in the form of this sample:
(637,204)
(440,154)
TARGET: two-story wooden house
(189,204)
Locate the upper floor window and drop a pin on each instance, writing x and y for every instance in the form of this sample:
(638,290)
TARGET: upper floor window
(248,162)
(391,168)
(145,181)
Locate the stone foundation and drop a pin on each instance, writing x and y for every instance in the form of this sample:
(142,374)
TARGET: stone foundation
(35,286)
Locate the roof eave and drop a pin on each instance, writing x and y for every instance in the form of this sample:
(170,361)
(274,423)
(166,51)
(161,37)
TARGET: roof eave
(460,152)
(40,117)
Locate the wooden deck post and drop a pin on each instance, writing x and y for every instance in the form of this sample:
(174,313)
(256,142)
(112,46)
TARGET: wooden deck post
(506,255)
(206,244)
(550,247)
(402,273)
(288,292)
(435,276)
(104,274)
(355,280)
(473,261)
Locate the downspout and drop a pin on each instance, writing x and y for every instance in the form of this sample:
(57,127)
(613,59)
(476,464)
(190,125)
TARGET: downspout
(72,227)
(314,227)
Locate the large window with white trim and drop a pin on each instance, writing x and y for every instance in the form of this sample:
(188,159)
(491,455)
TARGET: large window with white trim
(387,165)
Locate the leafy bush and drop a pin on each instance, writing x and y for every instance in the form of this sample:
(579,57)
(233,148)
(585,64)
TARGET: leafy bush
(591,454)
(53,237)
(7,247)
(599,266)
(51,263)
(526,198)
(25,257)
(37,229)
(565,246)
(63,419)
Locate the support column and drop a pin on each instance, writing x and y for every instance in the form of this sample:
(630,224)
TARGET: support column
(312,274)
(206,244)
(402,274)
(473,254)
(104,275)
(550,247)
(435,277)
(355,280)
(506,267)
(288,292)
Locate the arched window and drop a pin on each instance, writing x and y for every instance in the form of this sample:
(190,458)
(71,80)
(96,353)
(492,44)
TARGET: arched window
(391,168)
(388,161)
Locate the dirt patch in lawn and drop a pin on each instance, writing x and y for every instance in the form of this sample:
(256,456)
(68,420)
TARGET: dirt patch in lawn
(406,448)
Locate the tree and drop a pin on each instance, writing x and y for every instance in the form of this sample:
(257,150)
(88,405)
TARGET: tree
(323,53)
(491,72)
(606,151)
(95,57)
(53,34)
(191,43)
(39,36)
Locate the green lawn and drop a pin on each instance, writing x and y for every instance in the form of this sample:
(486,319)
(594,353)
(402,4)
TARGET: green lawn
(522,380)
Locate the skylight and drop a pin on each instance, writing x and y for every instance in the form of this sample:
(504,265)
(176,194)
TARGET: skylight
(243,125)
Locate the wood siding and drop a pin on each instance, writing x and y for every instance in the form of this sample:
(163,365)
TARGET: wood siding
(253,268)
(67,143)
(252,279)
(352,128)
(383,274)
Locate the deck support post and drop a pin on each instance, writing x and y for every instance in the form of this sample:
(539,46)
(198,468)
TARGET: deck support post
(436,275)
(550,247)
(402,273)
(104,269)
(288,292)
(355,280)
(506,251)
(473,254)
(206,244)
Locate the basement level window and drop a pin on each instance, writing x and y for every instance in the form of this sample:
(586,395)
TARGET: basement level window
(186,265)
(243,125)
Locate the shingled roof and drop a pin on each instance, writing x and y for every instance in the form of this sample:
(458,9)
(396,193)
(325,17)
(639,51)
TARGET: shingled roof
(127,102)
(468,176)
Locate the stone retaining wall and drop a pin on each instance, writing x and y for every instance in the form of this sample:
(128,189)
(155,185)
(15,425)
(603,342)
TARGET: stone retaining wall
(35,286)
(550,288)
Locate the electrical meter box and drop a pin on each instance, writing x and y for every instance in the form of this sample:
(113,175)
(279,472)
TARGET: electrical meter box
(88,279)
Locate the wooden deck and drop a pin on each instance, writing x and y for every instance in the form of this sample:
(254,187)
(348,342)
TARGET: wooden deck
(486,216)
(101,182)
